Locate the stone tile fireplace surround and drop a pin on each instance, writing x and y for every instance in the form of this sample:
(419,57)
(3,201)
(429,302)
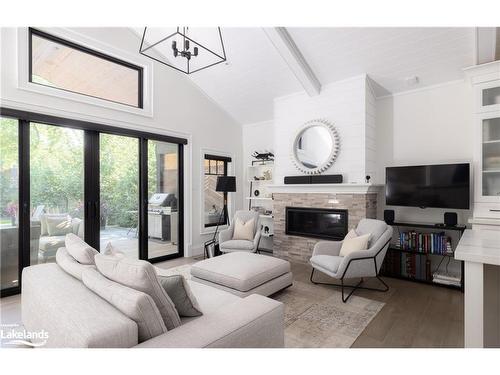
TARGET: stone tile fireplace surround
(359,199)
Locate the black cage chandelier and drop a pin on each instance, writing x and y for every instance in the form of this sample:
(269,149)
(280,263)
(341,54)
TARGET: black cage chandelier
(184,49)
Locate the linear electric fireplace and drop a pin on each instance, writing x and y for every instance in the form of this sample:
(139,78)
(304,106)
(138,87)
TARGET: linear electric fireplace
(327,223)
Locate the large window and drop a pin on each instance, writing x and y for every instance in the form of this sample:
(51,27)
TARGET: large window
(56,188)
(67,66)
(101,183)
(9,203)
(214,201)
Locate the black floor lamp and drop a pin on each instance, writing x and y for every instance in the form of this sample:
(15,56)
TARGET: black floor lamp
(225,184)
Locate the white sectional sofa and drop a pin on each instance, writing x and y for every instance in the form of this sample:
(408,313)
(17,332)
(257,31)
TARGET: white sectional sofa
(74,316)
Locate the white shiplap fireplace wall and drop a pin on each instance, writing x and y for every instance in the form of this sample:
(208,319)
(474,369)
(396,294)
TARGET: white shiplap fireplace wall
(349,105)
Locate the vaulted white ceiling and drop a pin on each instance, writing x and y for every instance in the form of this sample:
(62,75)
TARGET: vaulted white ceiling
(255,73)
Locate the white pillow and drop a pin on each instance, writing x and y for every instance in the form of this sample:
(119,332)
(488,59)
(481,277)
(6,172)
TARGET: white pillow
(79,249)
(70,265)
(43,222)
(139,275)
(137,305)
(351,245)
(244,231)
(351,234)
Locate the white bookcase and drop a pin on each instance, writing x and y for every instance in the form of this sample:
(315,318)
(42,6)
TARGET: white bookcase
(260,175)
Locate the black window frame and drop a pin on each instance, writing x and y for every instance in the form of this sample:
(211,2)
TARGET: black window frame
(91,184)
(42,34)
(226,160)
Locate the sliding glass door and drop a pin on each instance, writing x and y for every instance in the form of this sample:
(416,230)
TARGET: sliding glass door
(119,193)
(103,184)
(56,188)
(9,203)
(163,199)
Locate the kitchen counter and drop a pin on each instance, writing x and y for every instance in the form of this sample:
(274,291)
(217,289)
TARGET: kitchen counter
(480,251)
(481,246)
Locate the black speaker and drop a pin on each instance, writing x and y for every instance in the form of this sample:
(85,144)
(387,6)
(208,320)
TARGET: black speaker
(450,219)
(289,180)
(327,179)
(389,216)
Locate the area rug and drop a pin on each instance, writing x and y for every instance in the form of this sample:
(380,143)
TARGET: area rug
(315,316)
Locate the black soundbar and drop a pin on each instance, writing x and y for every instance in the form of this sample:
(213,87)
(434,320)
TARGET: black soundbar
(316,179)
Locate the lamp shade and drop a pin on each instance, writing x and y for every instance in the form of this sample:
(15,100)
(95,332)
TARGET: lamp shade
(226,184)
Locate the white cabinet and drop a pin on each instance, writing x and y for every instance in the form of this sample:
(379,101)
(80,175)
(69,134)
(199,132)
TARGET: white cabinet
(485,80)
(488,176)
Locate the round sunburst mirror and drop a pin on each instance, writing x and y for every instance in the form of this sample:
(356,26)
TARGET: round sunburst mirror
(315,147)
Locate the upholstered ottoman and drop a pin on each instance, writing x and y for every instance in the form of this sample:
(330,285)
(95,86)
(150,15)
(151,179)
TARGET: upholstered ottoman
(243,273)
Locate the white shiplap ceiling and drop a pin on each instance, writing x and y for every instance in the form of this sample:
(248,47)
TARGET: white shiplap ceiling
(256,73)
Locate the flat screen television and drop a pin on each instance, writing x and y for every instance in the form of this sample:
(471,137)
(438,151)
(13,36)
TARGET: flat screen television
(440,185)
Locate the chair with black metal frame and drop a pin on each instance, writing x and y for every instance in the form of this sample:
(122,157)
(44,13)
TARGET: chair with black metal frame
(359,264)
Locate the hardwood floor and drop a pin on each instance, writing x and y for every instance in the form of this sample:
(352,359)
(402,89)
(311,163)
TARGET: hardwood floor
(415,315)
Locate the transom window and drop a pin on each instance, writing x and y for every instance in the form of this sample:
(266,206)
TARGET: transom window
(64,65)
(214,201)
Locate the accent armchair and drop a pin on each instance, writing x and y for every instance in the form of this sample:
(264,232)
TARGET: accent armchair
(360,264)
(226,242)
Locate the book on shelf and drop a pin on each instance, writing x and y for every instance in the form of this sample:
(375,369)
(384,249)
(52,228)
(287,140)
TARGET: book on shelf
(427,243)
(407,265)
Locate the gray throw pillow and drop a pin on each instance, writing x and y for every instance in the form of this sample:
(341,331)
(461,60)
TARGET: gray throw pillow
(139,275)
(79,249)
(137,305)
(181,295)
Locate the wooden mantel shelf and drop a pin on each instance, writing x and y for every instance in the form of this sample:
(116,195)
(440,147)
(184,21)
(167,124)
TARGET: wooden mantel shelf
(348,188)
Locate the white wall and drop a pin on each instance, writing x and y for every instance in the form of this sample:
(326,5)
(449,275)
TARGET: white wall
(428,126)
(342,103)
(180,109)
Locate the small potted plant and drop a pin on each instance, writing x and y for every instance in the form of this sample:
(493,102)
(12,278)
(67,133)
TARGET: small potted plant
(11,211)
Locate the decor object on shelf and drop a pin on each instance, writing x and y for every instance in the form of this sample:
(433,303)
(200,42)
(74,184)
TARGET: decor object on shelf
(226,242)
(263,156)
(367,179)
(315,147)
(267,175)
(358,264)
(207,47)
(256,193)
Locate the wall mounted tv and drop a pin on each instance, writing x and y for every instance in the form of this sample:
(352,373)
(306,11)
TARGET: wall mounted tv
(440,185)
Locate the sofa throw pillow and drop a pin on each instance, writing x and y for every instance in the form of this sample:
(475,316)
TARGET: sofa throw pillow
(179,291)
(58,226)
(136,305)
(70,265)
(43,222)
(79,249)
(139,275)
(243,231)
(354,244)
(351,234)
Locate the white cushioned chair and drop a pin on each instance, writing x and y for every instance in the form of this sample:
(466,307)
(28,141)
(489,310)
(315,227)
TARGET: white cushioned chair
(358,264)
(226,242)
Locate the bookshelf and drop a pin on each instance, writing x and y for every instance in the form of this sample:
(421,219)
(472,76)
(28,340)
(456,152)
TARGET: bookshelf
(423,253)
(259,176)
